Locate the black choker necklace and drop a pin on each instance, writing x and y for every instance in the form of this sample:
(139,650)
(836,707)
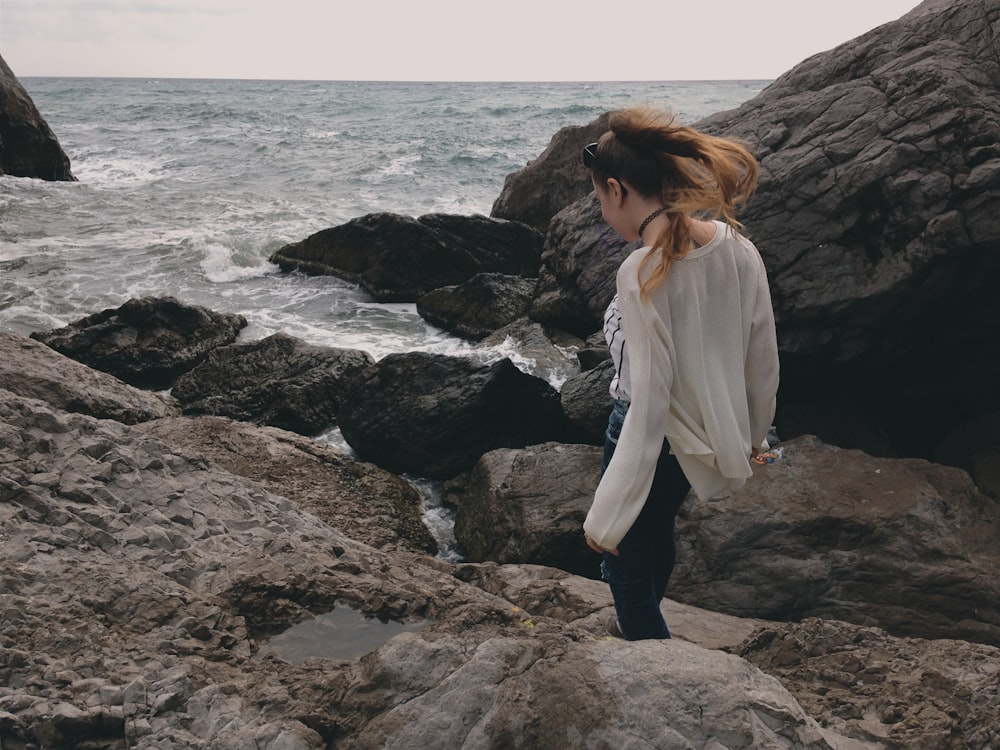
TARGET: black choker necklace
(645,222)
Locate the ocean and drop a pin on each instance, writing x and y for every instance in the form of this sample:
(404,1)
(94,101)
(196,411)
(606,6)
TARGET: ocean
(186,187)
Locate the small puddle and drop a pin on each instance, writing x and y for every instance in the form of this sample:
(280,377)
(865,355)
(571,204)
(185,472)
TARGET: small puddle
(341,633)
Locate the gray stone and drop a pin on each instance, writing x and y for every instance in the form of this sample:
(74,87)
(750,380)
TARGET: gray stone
(367,503)
(480,675)
(528,506)
(34,370)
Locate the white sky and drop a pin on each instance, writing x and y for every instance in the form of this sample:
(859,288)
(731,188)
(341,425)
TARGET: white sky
(431,40)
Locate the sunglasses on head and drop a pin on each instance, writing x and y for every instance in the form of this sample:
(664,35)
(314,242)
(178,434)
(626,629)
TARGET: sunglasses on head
(590,161)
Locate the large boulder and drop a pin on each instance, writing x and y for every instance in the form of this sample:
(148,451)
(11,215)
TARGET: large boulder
(399,258)
(903,544)
(146,342)
(528,506)
(365,502)
(433,416)
(555,179)
(33,370)
(878,213)
(28,147)
(278,380)
(580,259)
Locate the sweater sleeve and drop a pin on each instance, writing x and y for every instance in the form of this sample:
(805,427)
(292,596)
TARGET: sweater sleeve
(761,366)
(625,485)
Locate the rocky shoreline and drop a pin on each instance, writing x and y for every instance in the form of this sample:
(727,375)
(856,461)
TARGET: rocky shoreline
(164,511)
(146,560)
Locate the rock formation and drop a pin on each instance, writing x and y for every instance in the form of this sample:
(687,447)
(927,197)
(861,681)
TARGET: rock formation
(139,581)
(903,544)
(551,182)
(878,217)
(146,342)
(876,214)
(480,306)
(278,380)
(398,258)
(33,370)
(28,147)
(431,415)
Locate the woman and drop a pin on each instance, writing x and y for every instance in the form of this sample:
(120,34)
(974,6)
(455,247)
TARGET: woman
(691,332)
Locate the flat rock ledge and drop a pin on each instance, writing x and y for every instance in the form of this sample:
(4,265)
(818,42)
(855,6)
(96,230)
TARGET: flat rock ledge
(138,583)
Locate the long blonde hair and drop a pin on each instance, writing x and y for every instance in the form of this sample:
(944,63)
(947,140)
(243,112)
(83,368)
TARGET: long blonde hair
(692,173)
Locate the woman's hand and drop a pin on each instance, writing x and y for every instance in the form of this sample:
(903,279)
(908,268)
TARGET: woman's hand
(598,548)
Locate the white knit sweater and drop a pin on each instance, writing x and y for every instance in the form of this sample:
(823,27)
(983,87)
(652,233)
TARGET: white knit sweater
(703,372)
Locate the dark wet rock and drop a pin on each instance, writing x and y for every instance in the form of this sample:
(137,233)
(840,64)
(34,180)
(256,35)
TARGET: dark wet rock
(586,402)
(878,216)
(365,502)
(551,182)
(33,370)
(594,351)
(399,258)
(279,381)
(433,415)
(146,342)
(580,258)
(478,307)
(28,147)
(975,447)
(528,506)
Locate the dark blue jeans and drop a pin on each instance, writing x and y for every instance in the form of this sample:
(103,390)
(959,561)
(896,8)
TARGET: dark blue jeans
(639,573)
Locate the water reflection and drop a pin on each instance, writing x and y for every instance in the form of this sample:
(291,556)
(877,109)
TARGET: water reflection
(342,633)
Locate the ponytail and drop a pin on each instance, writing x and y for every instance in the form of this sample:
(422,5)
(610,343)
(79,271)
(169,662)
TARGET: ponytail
(692,173)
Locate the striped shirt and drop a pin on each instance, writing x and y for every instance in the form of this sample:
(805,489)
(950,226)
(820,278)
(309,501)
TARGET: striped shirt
(614,335)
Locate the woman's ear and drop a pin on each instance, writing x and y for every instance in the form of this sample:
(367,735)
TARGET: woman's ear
(615,189)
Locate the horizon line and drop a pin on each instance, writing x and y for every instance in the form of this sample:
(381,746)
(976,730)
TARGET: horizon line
(397,80)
